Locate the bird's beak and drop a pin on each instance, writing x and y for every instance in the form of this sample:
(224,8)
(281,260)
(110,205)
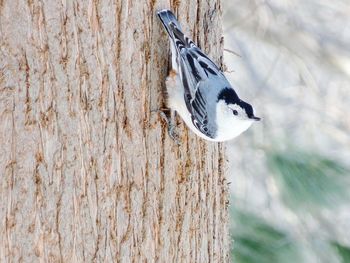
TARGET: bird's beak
(256,118)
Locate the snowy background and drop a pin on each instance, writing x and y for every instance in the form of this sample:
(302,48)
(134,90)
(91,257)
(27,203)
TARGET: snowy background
(291,170)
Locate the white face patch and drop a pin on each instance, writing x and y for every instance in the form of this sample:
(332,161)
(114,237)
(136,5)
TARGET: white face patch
(237,112)
(230,125)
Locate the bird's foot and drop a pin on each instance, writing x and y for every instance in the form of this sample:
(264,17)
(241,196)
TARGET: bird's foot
(170,121)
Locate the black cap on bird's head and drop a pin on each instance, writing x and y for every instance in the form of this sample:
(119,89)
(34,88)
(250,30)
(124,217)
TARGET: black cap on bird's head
(249,110)
(230,97)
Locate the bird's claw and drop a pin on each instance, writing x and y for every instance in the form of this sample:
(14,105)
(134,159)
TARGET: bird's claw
(171,126)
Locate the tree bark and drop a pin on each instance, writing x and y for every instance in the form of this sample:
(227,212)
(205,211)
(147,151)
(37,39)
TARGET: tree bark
(88,171)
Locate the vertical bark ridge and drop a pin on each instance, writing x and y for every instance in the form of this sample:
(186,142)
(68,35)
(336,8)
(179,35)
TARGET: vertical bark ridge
(88,170)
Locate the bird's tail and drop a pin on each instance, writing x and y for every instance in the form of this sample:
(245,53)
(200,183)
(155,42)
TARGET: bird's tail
(174,30)
(177,37)
(169,21)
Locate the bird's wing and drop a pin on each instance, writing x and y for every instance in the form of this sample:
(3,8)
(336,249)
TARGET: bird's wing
(201,79)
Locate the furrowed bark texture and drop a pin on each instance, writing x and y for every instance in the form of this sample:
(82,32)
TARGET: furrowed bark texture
(88,171)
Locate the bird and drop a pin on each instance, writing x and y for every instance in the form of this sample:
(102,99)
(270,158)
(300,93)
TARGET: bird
(198,90)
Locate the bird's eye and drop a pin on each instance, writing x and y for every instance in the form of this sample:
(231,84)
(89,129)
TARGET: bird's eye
(235,112)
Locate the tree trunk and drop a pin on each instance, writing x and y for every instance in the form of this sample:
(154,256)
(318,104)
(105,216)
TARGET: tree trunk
(88,171)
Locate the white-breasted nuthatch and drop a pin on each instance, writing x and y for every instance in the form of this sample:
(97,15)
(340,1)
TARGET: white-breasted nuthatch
(199,91)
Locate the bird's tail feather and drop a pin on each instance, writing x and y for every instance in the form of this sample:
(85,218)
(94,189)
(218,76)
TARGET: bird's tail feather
(174,30)
(169,21)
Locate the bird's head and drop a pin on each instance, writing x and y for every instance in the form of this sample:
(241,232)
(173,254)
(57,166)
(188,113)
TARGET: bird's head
(233,115)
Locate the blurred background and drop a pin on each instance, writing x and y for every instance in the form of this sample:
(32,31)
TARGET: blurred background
(289,174)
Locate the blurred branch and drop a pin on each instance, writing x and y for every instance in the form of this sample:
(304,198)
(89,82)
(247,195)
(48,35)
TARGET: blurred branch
(342,251)
(256,241)
(232,52)
(307,180)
